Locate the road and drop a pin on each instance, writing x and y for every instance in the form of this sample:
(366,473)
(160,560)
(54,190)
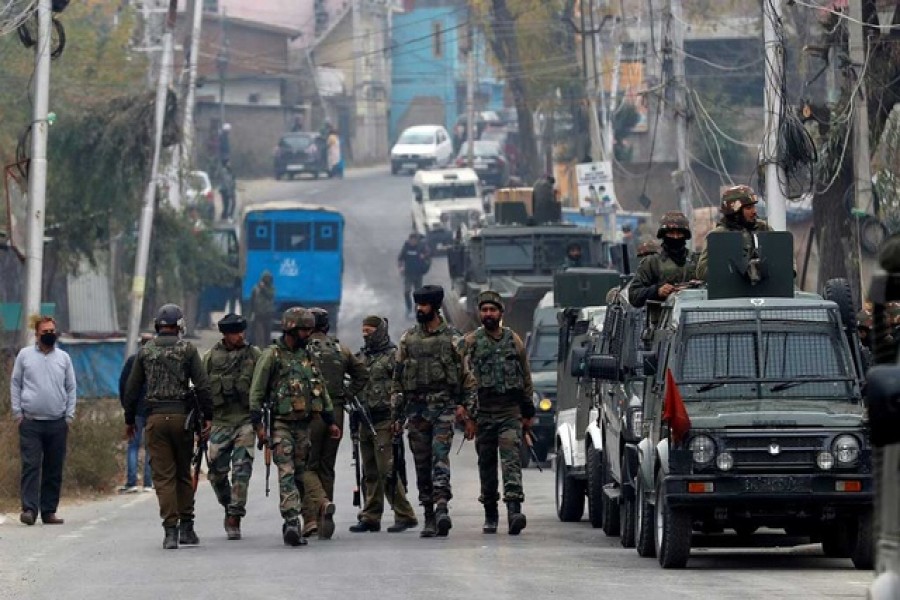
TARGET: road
(112,547)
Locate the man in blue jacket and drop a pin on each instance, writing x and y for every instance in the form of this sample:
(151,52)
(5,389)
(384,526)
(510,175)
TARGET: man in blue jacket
(137,442)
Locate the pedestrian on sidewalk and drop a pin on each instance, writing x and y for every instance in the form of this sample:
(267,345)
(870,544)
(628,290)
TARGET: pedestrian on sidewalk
(42,390)
(140,422)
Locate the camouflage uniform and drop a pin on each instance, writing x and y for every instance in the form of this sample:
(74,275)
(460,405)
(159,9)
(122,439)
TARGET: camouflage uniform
(669,266)
(380,358)
(231,442)
(290,381)
(166,365)
(262,310)
(334,362)
(500,366)
(747,232)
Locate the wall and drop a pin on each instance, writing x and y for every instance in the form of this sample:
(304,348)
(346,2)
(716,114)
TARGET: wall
(254,133)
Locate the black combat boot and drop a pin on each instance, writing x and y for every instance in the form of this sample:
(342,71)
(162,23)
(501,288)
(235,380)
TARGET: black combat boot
(401,525)
(442,517)
(171,540)
(186,534)
(516,518)
(364,526)
(290,531)
(491,518)
(430,527)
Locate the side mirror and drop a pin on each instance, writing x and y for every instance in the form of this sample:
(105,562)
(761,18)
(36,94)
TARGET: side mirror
(417,194)
(576,365)
(604,367)
(651,365)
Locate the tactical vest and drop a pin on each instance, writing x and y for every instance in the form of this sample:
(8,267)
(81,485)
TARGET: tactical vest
(330,360)
(432,363)
(166,372)
(377,393)
(230,374)
(496,363)
(296,386)
(671,272)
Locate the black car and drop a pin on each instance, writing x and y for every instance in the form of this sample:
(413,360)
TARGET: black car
(490,163)
(299,152)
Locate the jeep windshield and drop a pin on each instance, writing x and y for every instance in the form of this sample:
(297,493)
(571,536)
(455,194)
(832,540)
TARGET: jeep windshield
(784,362)
(542,354)
(452,191)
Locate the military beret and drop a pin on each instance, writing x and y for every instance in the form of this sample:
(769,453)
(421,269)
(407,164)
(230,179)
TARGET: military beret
(429,294)
(232,323)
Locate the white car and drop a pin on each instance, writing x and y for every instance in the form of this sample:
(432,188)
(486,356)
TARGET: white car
(443,201)
(420,147)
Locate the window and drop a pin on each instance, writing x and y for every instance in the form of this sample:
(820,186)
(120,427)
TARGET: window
(259,235)
(292,237)
(437,39)
(327,236)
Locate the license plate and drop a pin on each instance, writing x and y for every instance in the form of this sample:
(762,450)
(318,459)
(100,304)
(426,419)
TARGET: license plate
(776,484)
(410,165)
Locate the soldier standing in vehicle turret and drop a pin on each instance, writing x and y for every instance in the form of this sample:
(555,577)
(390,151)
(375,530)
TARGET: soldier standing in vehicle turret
(287,379)
(230,364)
(335,362)
(431,384)
(658,274)
(738,210)
(168,365)
(498,361)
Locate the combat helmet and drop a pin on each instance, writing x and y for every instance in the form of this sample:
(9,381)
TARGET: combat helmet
(674,221)
(232,323)
(169,315)
(321,317)
(737,197)
(429,294)
(490,297)
(297,317)
(266,277)
(647,248)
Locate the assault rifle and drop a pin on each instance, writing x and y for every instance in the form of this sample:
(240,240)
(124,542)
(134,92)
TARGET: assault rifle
(269,444)
(359,415)
(528,438)
(398,471)
(194,424)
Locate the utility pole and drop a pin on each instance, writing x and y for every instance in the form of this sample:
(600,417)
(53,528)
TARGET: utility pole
(470,96)
(187,144)
(593,90)
(862,171)
(774,105)
(138,286)
(37,173)
(682,178)
(359,85)
(222,66)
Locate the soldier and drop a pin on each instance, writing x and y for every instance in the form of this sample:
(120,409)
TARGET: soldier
(648,248)
(262,310)
(430,384)
(573,255)
(287,379)
(335,362)
(230,365)
(658,275)
(738,210)
(380,357)
(167,365)
(497,359)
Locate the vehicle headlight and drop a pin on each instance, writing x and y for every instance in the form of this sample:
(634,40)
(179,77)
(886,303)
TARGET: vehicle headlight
(845,449)
(825,460)
(637,420)
(725,461)
(703,449)
(545,404)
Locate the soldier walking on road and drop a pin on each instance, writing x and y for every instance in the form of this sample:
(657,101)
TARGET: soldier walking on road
(262,310)
(168,365)
(497,359)
(431,388)
(658,274)
(287,379)
(379,354)
(230,365)
(414,261)
(738,210)
(335,362)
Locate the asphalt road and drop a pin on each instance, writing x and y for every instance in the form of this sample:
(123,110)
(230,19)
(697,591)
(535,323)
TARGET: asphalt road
(112,548)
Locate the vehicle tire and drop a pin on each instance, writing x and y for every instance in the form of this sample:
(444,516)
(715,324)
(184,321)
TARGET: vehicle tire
(569,493)
(673,532)
(644,523)
(872,233)
(610,507)
(395,169)
(626,521)
(594,469)
(837,540)
(838,291)
(862,549)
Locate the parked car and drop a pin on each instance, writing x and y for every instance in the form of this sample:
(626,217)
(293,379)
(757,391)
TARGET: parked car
(299,152)
(489,162)
(420,147)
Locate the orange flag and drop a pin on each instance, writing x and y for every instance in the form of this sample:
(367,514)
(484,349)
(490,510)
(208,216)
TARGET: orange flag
(674,411)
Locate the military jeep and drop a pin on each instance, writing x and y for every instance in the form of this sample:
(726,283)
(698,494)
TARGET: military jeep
(760,421)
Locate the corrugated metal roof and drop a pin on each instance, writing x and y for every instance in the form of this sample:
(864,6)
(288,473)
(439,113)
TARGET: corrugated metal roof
(92,304)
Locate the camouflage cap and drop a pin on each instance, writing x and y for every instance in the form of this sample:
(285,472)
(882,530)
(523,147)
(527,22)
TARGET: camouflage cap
(429,294)
(232,323)
(647,248)
(674,221)
(490,297)
(736,197)
(297,317)
(266,276)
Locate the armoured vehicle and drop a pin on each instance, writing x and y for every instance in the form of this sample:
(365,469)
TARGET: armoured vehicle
(541,346)
(752,410)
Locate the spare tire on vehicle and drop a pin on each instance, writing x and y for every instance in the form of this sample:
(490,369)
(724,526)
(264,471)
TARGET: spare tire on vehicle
(838,290)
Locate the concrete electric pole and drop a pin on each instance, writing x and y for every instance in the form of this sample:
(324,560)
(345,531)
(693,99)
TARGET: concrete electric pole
(37,173)
(683,180)
(862,171)
(187,132)
(774,106)
(470,96)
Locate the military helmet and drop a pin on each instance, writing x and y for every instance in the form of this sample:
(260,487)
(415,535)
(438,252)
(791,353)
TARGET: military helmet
(232,323)
(647,248)
(736,197)
(490,297)
(321,317)
(266,277)
(297,317)
(429,294)
(169,315)
(674,221)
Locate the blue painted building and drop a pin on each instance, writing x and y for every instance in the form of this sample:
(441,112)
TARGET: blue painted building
(428,72)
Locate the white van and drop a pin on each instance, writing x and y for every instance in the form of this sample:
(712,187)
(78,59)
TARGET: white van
(443,200)
(421,146)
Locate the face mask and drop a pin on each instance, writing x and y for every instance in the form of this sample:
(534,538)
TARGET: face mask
(48,339)
(674,244)
(490,323)
(423,317)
